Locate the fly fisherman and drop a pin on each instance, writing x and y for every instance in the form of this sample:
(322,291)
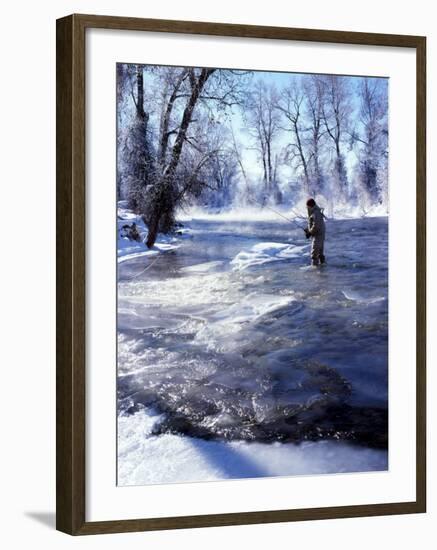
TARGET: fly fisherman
(316,231)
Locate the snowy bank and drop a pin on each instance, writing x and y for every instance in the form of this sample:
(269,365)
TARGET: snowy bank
(147,459)
(128,249)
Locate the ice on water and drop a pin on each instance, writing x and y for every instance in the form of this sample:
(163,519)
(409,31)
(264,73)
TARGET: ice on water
(262,253)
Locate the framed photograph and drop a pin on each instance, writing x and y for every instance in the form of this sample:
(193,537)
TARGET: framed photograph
(241,230)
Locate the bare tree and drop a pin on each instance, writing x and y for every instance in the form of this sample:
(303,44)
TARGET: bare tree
(263,121)
(210,149)
(336,111)
(371,136)
(313,89)
(298,151)
(172,82)
(136,161)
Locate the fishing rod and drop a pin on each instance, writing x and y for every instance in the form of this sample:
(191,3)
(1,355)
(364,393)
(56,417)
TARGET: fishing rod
(277,213)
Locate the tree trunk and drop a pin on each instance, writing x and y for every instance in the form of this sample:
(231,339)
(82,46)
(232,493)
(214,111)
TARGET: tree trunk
(265,178)
(165,133)
(140,92)
(153,226)
(269,165)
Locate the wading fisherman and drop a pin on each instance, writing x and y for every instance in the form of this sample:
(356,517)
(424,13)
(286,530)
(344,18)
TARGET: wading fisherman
(316,231)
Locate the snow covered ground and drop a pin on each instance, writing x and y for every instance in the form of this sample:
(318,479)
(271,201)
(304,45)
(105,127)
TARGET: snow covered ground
(128,249)
(145,458)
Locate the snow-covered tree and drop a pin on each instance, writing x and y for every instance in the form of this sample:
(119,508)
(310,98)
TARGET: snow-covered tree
(263,120)
(336,112)
(222,138)
(166,127)
(313,90)
(135,159)
(298,151)
(371,137)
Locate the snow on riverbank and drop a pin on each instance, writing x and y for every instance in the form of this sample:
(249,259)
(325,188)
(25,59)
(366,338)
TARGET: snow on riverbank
(128,249)
(147,459)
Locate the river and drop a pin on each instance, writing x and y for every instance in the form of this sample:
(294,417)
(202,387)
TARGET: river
(234,339)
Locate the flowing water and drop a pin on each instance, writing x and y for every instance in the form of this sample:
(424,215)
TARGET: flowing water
(234,337)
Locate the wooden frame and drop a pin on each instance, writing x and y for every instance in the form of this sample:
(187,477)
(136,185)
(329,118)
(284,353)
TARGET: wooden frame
(70,204)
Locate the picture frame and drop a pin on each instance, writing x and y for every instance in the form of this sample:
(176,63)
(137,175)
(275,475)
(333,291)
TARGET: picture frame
(71,205)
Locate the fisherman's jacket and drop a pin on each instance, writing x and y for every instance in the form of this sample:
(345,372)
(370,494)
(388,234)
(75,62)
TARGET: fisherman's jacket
(316,222)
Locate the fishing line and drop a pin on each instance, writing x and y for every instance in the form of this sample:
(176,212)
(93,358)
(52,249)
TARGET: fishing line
(146,268)
(276,212)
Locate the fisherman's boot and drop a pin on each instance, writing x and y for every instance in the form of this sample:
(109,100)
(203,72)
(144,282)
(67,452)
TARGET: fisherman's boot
(322,259)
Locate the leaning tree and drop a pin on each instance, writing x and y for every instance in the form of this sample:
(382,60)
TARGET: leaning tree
(187,91)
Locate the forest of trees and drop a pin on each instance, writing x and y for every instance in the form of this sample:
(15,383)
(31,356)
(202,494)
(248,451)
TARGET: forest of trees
(220,138)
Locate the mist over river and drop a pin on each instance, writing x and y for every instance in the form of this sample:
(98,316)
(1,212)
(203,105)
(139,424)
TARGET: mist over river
(237,359)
